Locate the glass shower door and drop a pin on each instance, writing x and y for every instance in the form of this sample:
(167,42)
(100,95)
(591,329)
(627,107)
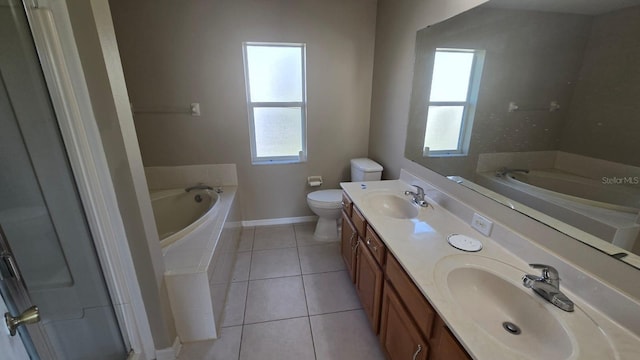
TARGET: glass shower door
(41,213)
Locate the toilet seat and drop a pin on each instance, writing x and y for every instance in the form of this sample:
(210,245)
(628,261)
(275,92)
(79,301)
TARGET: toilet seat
(326,199)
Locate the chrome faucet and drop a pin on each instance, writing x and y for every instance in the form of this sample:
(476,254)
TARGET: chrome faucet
(505,170)
(418,197)
(198,187)
(547,286)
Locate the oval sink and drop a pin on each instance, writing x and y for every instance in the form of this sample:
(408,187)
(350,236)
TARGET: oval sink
(393,206)
(490,294)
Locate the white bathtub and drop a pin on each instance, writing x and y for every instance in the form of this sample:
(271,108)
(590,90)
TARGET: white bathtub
(178,213)
(612,216)
(199,248)
(580,189)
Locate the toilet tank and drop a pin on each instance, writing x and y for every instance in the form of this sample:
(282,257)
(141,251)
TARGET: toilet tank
(364,169)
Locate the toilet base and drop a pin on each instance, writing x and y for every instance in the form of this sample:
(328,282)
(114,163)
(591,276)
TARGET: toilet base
(326,230)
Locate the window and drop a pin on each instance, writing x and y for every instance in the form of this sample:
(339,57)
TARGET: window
(454,92)
(276,100)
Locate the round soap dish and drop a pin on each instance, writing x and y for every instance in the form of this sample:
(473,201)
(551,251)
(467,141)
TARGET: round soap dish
(464,243)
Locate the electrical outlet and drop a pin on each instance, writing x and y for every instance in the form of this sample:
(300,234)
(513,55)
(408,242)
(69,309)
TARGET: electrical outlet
(482,224)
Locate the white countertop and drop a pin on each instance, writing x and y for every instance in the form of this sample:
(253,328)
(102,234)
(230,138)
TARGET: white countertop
(420,243)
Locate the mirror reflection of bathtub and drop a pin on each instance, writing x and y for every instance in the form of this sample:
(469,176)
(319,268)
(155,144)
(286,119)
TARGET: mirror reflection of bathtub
(608,211)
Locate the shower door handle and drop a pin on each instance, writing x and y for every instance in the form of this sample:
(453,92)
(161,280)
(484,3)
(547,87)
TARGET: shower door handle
(29,316)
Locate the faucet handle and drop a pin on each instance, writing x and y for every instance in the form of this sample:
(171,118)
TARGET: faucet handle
(420,190)
(548,271)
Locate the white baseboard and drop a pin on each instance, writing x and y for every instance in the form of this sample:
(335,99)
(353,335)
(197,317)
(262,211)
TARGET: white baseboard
(279,221)
(170,353)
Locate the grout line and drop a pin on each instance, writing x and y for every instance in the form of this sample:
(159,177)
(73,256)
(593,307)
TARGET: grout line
(306,303)
(268,321)
(338,311)
(246,295)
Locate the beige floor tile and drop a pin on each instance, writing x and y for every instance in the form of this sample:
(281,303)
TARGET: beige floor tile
(227,347)
(274,263)
(246,239)
(234,306)
(331,339)
(321,258)
(274,299)
(278,340)
(330,292)
(274,237)
(241,267)
(304,234)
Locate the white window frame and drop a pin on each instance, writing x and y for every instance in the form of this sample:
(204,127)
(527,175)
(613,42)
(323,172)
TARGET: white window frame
(264,160)
(469,105)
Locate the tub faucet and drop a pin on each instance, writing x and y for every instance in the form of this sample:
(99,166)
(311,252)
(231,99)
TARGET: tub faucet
(198,187)
(547,286)
(505,170)
(418,197)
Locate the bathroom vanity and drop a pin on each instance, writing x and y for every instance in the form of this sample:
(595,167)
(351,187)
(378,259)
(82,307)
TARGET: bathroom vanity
(407,325)
(428,300)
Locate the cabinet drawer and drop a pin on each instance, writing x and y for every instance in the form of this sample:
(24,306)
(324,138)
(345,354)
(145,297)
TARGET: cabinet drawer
(358,221)
(373,242)
(346,204)
(416,304)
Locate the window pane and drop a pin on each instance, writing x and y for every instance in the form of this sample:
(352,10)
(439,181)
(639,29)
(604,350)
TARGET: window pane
(278,131)
(443,127)
(275,73)
(451,74)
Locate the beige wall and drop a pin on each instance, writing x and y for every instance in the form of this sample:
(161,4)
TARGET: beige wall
(178,52)
(604,120)
(97,48)
(397,23)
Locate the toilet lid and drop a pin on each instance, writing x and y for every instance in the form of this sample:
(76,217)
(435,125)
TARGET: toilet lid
(327,196)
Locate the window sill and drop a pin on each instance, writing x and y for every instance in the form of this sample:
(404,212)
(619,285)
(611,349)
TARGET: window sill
(276,162)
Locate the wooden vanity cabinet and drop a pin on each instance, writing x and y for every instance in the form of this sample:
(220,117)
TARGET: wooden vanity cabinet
(417,306)
(399,336)
(349,239)
(369,279)
(359,221)
(347,204)
(405,321)
(445,345)
(405,308)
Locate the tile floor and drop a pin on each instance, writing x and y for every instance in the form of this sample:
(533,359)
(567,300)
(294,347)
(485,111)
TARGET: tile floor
(291,298)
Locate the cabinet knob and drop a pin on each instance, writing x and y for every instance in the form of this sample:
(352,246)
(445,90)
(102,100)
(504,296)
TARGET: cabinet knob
(415,355)
(375,248)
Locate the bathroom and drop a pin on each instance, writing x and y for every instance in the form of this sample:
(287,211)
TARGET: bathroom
(360,58)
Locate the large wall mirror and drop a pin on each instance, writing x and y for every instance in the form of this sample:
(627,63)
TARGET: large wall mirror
(537,104)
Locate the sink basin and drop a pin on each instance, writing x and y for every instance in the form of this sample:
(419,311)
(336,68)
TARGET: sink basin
(392,206)
(489,293)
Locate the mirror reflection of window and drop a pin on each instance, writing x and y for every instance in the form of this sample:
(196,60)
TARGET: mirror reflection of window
(454,92)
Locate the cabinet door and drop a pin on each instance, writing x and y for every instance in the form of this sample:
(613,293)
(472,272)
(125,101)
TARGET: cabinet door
(349,241)
(369,284)
(444,344)
(399,336)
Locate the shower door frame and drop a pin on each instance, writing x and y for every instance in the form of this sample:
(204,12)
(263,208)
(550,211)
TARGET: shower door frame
(55,44)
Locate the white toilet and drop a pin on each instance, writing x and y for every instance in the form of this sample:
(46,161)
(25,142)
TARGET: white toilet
(327,204)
